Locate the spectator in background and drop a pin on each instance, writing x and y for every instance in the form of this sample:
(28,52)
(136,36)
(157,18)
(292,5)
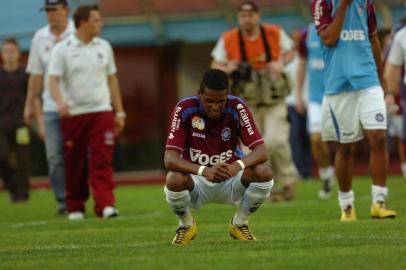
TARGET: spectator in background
(298,136)
(14,135)
(58,28)
(311,64)
(84,64)
(395,77)
(254,55)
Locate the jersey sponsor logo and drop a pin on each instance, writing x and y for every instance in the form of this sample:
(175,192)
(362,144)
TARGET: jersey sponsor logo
(199,135)
(226,134)
(198,122)
(176,120)
(171,136)
(204,159)
(350,35)
(245,120)
(318,12)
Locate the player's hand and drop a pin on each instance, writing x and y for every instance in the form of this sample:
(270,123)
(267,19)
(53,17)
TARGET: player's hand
(391,104)
(232,66)
(28,113)
(63,109)
(217,173)
(119,125)
(233,168)
(300,106)
(275,69)
(41,129)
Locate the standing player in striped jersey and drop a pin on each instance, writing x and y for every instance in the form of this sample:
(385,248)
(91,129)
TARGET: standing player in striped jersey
(204,160)
(354,102)
(311,63)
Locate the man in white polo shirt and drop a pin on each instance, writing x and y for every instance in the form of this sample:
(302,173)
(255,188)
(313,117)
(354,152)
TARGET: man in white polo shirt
(59,27)
(84,64)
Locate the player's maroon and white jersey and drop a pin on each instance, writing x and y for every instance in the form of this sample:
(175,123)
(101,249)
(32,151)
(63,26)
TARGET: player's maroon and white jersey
(207,141)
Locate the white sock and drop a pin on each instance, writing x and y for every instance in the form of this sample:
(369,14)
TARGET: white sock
(379,193)
(403,167)
(326,173)
(179,202)
(346,199)
(254,196)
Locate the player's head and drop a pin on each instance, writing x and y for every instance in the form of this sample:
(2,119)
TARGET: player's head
(57,12)
(248,16)
(213,92)
(10,51)
(88,20)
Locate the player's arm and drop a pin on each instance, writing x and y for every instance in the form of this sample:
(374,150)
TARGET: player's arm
(54,82)
(377,52)
(220,61)
(301,74)
(34,88)
(331,32)
(392,75)
(115,93)
(175,163)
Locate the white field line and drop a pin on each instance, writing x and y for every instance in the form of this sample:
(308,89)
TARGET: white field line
(39,223)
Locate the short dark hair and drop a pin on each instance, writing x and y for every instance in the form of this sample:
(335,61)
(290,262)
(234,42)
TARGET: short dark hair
(82,13)
(10,40)
(214,79)
(248,6)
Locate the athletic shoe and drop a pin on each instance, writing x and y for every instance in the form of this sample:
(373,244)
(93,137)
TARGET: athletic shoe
(348,214)
(325,191)
(241,232)
(184,235)
(76,216)
(110,212)
(379,210)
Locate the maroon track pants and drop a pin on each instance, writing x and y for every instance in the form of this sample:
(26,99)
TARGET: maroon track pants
(88,152)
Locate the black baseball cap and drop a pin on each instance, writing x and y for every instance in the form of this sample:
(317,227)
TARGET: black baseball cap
(248,6)
(50,4)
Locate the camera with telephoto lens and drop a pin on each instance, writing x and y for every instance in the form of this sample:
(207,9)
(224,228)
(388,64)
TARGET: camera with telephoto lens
(243,73)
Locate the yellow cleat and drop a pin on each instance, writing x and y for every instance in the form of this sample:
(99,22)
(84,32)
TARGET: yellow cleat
(241,232)
(379,210)
(184,235)
(348,214)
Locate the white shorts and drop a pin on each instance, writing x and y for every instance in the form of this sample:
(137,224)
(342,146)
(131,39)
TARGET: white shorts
(314,117)
(227,192)
(347,114)
(396,126)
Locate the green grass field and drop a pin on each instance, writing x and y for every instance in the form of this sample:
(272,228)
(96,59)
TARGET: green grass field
(303,234)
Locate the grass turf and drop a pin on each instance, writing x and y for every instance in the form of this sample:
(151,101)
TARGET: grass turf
(302,234)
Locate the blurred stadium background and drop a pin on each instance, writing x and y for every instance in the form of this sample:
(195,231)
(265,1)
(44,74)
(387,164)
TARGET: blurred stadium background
(162,48)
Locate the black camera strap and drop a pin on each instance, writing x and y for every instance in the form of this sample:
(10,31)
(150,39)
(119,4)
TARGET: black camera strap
(264,41)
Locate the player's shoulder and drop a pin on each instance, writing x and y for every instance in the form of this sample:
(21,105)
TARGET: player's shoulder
(187,102)
(271,27)
(101,41)
(231,33)
(235,102)
(401,33)
(41,33)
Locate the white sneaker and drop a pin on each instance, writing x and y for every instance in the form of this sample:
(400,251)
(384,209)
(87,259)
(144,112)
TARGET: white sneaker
(110,212)
(76,216)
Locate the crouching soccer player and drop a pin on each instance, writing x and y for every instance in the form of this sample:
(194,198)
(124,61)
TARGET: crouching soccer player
(205,162)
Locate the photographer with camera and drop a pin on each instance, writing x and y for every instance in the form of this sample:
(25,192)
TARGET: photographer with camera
(254,55)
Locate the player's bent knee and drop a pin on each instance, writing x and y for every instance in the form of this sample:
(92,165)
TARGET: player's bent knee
(262,173)
(176,181)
